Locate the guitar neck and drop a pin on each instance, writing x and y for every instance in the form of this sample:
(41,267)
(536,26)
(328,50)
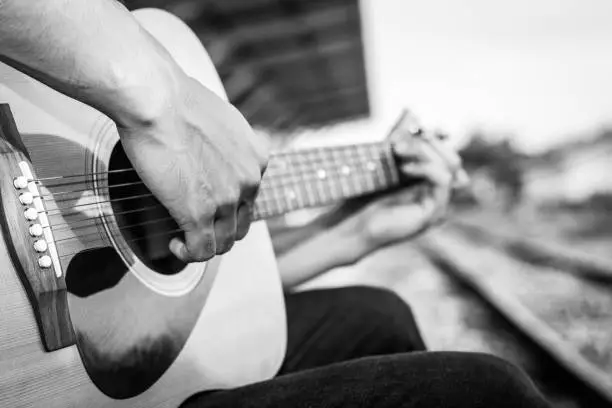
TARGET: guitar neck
(317,177)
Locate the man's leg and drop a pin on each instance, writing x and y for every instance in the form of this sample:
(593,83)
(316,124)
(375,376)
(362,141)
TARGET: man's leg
(409,380)
(333,325)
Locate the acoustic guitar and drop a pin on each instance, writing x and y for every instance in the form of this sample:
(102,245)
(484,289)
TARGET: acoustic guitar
(94,311)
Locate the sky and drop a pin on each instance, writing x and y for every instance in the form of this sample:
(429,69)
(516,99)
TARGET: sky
(540,70)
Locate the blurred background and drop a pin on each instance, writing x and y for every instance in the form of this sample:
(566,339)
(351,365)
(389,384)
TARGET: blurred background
(523,88)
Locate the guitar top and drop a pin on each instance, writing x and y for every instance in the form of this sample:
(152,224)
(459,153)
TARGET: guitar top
(91,315)
(94,310)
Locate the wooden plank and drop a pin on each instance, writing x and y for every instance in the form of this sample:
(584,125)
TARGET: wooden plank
(541,251)
(453,254)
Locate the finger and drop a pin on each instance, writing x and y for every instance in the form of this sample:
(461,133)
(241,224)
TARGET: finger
(450,156)
(225,229)
(198,245)
(453,160)
(435,174)
(250,189)
(407,149)
(243,219)
(436,197)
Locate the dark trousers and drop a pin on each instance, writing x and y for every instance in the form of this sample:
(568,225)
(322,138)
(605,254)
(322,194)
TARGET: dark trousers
(361,348)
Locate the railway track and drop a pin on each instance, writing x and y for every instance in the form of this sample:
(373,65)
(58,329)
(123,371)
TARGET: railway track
(561,302)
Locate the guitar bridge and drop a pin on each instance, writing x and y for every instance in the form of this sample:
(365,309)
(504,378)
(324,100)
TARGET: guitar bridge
(29,240)
(39,229)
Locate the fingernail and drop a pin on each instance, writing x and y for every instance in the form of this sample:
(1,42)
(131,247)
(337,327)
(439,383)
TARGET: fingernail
(177,248)
(410,166)
(401,147)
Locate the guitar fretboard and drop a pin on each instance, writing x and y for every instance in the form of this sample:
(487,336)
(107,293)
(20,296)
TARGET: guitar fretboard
(321,176)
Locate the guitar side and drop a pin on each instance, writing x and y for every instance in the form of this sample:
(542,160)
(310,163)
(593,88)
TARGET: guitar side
(231,323)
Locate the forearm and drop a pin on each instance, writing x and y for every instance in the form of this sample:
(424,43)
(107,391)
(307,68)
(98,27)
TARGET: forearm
(318,253)
(91,50)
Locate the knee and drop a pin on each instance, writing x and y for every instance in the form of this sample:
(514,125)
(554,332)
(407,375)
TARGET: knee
(378,302)
(387,313)
(497,380)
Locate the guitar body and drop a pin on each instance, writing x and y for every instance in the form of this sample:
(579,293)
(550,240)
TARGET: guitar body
(137,338)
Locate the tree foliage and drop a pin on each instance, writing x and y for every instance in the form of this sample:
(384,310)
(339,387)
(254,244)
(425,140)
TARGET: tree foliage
(499,158)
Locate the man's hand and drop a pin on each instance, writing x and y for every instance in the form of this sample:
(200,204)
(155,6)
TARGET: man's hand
(430,170)
(199,157)
(193,150)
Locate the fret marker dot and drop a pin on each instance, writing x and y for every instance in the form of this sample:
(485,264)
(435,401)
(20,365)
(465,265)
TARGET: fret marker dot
(322,174)
(290,194)
(371,166)
(346,170)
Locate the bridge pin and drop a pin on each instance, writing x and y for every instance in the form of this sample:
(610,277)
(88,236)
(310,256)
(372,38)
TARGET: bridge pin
(40,245)
(45,261)
(31,214)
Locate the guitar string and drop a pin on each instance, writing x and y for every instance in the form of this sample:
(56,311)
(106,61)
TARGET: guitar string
(266,177)
(263,204)
(306,153)
(258,214)
(263,208)
(296,172)
(164,233)
(49,197)
(311,162)
(279,181)
(121,228)
(102,240)
(360,154)
(331,171)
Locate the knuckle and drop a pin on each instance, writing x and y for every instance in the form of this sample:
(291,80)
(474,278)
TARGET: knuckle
(230,197)
(264,156)
(206,211)
(225,245)
(252,179)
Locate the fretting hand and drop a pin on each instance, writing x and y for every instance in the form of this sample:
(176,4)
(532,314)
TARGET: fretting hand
(430,170)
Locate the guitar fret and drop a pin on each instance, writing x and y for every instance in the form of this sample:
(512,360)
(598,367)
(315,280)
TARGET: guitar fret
(325,181)
(336,176)
(297,193)
(370,167)
(328,182)
(314,177)
(336,185)
(343,171)
(388,165)
(362,177)
(380,180)
(310,193)
(277,201)
(353,178)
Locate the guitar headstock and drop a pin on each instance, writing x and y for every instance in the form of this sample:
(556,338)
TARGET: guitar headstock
(406,123)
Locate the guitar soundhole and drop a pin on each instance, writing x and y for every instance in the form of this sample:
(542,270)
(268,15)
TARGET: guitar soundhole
(144,223)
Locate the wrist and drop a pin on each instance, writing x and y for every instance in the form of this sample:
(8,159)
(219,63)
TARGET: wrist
(354,245)
(143,90)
